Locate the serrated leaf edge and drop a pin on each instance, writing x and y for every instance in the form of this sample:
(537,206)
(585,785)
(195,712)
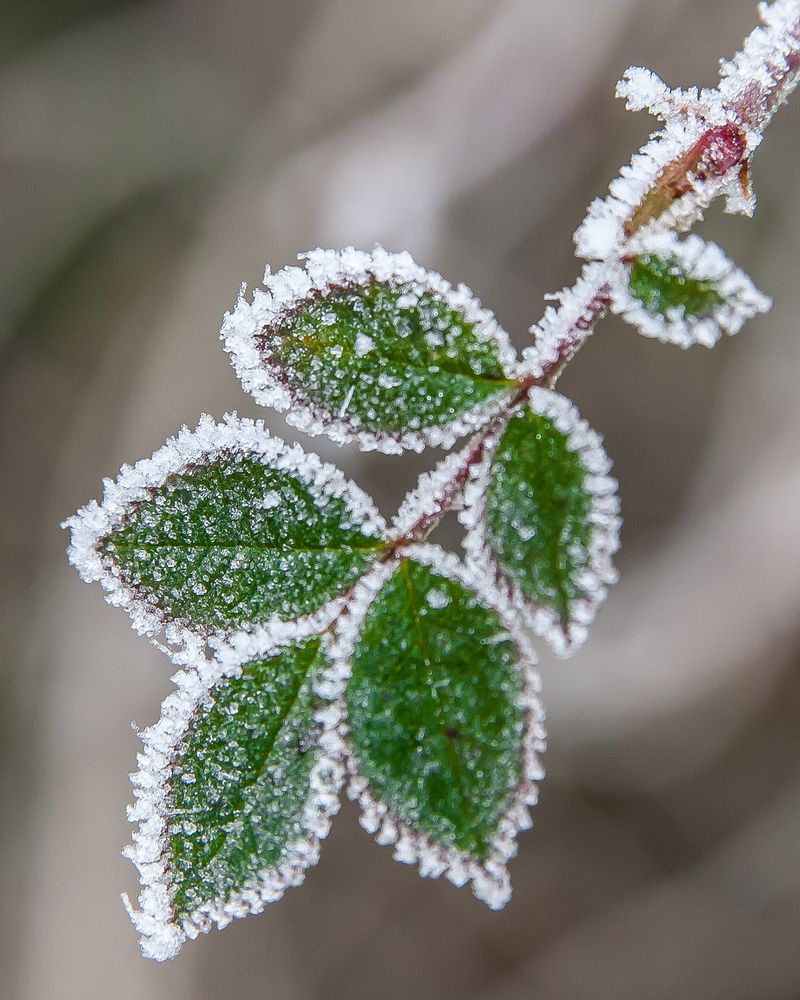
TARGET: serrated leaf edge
(162,935)
(287,289)
(490,880)
(703,261)
(604,517)
(208,440)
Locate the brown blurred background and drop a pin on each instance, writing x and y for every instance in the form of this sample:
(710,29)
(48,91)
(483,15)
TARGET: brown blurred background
(154,155)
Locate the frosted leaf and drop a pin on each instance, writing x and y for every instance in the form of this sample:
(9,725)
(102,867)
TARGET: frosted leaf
(683,292)
(234,792)
(372,348)
(226,527)
(541,513)
(443,726)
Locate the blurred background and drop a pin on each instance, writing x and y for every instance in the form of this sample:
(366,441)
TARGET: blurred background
(154,155)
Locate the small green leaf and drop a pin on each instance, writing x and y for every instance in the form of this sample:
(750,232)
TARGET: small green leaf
(663,285)
(241,780)
(683,291)
(370,347)
(550,516)
(537,509)
(434,709)
(224,528)
(234,793)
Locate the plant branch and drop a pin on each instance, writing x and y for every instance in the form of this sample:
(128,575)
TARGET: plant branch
(749,94)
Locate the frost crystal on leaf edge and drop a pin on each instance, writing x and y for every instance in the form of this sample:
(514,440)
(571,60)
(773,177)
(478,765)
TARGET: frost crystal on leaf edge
(490,880)
(604,517)
(704,262)
(162,935)
(324,269)
(237,436)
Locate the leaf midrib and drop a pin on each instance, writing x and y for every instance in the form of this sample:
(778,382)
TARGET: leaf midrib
(128,547)
(497,381)
(414,609)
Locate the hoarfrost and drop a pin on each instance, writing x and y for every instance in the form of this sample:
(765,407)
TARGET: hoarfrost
(564,327)
(437,599)
(700,261)
(93,523)
(707,141)
(364,345)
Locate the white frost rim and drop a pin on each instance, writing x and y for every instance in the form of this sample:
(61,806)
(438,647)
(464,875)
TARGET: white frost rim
(161,933)
(235,435)
(604,518)
(324,269)
(700,260)
(490,880)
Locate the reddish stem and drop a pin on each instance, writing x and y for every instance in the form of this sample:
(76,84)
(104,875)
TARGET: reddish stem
(719,151)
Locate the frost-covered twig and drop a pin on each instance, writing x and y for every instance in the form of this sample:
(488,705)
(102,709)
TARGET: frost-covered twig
(346,647)
(704,151)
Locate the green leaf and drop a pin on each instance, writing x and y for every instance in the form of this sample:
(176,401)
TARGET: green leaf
(683,291)
(236,783)
(224,528)
(372,348)
(663,285)
(402,366)
(210,552)
(550,516)
(242,778)
(435,710)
